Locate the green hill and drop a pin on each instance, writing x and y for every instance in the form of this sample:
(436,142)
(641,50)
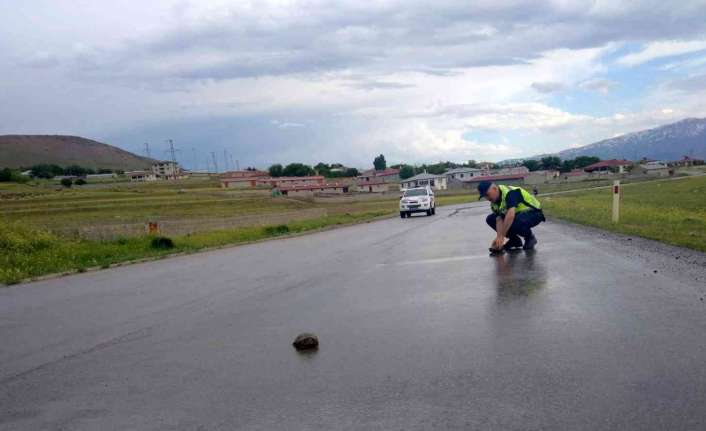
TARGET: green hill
(18,151)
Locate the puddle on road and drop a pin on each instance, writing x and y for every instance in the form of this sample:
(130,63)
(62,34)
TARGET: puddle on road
(518,274)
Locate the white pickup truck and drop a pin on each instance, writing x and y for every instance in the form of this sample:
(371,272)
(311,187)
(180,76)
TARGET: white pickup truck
(417,200)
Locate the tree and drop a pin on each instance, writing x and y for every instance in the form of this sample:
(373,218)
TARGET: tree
(551,162)
(380,163)
(75,170)
(567,166)
(351,172)
(472,164)
(44,170)
(66,182)
(297,170)
(275,170)
(406,171)
(323,169)
(530,164)
(80,182)
(583,161)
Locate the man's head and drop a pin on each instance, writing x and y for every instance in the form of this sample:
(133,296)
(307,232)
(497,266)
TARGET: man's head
(488,190)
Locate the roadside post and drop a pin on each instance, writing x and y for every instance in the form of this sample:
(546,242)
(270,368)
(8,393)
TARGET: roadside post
(616,201)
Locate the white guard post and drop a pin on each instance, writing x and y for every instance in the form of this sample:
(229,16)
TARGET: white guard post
(616,201)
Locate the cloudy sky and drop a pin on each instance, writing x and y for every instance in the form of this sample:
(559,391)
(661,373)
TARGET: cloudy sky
(332,81)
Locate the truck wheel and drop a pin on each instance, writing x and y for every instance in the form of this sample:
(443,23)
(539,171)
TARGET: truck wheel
(429,213)
(402,214)
(433,210)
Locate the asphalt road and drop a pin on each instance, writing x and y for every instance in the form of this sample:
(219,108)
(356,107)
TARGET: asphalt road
(419,329)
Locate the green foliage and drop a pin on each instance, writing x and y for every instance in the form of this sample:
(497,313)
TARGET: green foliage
(77,170)
(323,169)
(578,163)
(162,243)
(668,211)
(406,171)
(104,171)
(44,170)
(8,175)
(275,170)
(66,182)
(280,229)
(80,182)
(297,170)
(348,172)
(551,162)
(380,163)
(532,165)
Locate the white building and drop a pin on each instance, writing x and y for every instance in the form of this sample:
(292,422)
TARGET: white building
(463,173)
(140,176)
(166,170)
(436,182)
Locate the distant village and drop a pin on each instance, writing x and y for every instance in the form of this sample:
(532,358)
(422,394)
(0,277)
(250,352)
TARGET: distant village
(297,179)
(393,179)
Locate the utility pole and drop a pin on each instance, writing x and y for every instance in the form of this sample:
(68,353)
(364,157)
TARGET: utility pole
(215,164)
(237,164)
(193,154)
(172,151)
(225,159)
(147,150)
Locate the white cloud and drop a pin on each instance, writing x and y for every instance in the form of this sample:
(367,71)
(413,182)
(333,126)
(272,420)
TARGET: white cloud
(661,49)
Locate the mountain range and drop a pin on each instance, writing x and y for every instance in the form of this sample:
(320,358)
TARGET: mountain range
(22,151)
(670,142)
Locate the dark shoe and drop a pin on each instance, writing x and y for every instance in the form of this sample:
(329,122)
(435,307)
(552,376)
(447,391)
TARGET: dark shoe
(530,243)
(514,242)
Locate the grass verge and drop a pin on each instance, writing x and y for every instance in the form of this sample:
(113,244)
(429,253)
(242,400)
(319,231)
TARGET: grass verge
(673,212)
(26,253)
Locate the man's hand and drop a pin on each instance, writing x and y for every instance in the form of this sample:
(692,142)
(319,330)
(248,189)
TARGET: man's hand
(497,243)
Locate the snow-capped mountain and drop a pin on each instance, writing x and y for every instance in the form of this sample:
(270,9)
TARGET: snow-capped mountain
(671,142)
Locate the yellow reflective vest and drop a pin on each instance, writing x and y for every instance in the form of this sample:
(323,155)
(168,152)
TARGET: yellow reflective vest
(529,202)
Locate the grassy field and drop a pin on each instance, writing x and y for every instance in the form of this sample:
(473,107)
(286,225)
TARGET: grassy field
(35,217)
(670,211)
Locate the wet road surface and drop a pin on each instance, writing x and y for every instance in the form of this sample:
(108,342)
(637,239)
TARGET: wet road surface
(419,329)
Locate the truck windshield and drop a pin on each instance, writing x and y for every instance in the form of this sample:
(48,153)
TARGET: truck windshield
(416,192)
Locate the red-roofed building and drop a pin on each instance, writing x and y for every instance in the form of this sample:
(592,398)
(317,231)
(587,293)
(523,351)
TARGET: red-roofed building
(389,175)
(243,174)
(376,186)
(238,182)
(609,166)
(312,189)
(290,181)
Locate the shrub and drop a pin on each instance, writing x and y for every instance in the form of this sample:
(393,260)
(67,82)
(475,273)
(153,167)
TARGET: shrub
(280,229)
(66,182)
(12,175)
(80,182)
(162,243)
(16,238)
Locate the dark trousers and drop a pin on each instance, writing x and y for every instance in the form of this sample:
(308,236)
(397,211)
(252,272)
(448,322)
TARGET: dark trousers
(522,225)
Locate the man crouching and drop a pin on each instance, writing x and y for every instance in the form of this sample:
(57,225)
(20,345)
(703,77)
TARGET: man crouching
(515,213)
